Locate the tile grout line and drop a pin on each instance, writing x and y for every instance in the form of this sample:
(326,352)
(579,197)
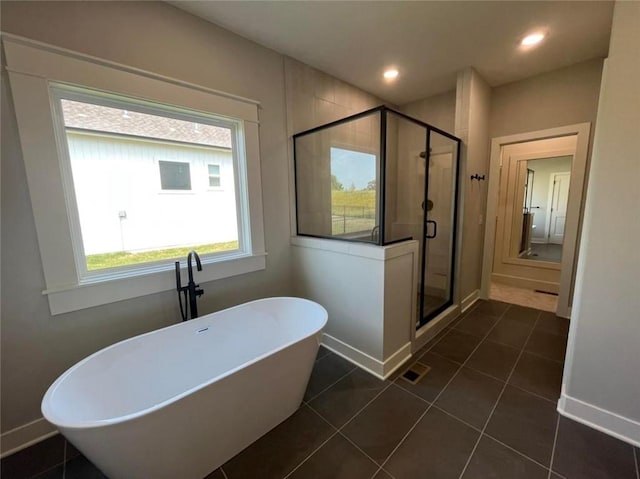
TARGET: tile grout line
(513,386)
(513,368)
(64,459)
(501,344)
(498,319)
(457,418)
(553,449)
(515,450)
(480,430)
(453,322)
(442,390)
(405,436)
(337,430)
(312,453)
(544,357)
(357,413)
(54,466)
(333,383)
(367,455)
(441,410)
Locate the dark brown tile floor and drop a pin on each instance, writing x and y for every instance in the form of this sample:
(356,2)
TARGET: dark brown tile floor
(486,409)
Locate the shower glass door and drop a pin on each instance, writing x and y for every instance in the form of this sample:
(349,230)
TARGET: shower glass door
(420,194)
(439,210)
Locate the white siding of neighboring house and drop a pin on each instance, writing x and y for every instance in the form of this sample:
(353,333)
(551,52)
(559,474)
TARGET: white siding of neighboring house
(117,174)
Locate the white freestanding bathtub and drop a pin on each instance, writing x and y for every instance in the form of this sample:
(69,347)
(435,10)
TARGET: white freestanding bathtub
(180,401)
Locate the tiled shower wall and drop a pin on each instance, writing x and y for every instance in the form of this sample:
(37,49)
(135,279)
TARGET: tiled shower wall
(315,98)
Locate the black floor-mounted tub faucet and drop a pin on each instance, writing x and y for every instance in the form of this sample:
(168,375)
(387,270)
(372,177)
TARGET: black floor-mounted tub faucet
(191,291)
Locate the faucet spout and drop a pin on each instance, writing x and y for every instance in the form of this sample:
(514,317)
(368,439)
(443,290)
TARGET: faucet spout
(192,254)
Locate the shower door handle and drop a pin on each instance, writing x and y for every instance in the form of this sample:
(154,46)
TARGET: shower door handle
(435,229)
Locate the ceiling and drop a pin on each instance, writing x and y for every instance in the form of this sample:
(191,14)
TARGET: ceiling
(428,42)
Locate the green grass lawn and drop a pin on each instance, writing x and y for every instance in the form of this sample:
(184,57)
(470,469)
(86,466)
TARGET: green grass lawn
(125,258)
(353,211)
(366,198)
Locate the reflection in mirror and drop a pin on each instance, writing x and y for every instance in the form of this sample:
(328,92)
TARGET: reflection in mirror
(542,188)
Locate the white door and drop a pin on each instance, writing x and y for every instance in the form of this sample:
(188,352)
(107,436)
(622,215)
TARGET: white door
(559,200)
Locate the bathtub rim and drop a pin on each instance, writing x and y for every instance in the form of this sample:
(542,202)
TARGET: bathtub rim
(46,400)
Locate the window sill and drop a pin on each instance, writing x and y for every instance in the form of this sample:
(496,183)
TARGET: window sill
(69,298)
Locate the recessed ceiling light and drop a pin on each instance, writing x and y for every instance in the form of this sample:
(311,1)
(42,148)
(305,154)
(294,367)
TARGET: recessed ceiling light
(390,74)
(532,39)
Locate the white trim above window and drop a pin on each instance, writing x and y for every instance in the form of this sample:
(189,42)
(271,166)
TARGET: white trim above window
(33,69)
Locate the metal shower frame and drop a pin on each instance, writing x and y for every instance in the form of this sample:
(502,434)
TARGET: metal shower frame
(384,110)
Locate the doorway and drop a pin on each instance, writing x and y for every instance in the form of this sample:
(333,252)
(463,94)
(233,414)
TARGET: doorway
(534,207)
(557,209)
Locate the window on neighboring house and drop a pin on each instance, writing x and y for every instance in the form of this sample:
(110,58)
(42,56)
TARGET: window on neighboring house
(214,176)
(94,159)
(174,175)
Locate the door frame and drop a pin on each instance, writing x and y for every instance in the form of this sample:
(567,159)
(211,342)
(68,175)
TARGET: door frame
(552,189)
(574,208)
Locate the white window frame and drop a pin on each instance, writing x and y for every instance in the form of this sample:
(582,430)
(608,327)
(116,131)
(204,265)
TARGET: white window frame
(33,68)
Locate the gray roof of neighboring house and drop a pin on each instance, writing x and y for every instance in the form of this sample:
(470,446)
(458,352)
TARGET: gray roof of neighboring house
(114,120)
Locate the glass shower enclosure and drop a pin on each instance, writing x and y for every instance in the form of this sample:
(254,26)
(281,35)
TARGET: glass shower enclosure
(382,177)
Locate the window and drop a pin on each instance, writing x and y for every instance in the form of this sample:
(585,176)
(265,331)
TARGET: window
(214,176)
(174,175)
(114,147)
(119,163)
(353,191)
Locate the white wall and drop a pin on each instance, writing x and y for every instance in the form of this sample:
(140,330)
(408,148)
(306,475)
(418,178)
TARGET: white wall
(438,110)
(473,104)
(601,384)
(561,97)
(36,347)
(369,293)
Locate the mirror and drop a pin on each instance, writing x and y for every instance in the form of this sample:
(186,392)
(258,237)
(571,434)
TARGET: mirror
(541,193)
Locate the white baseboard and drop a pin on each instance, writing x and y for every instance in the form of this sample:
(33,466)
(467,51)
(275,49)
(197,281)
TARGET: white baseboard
(608,422)
(525,283)
(469,301)
(25,436)
(380,369)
